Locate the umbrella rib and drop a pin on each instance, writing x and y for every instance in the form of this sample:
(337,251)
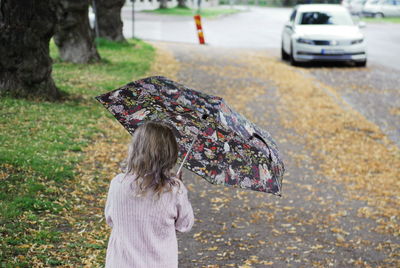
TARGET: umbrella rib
(204,116)
(188,152)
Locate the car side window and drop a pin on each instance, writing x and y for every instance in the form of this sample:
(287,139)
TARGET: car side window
(293,16)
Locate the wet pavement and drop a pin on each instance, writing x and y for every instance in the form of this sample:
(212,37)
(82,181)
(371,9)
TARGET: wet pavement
(250,28)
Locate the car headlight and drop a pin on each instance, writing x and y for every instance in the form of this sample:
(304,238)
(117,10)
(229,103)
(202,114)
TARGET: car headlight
(357,41)
(305,41)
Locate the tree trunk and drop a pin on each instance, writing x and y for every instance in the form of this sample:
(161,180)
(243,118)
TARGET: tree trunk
(182,4)
(26,27)
(108,16)
(74,37)
(199,4)
(163,4)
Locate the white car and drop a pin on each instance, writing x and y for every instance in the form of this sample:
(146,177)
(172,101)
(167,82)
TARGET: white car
(382,8)
(323,33)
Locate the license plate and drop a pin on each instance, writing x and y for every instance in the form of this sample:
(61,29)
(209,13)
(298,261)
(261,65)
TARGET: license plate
(331,51)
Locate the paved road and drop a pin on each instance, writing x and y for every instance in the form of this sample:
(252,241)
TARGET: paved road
(384,44)
(253,28)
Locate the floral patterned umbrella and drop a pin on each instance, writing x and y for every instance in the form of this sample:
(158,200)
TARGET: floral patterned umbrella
(227,148)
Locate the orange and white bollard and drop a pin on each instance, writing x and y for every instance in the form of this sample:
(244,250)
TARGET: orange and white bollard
(200,33)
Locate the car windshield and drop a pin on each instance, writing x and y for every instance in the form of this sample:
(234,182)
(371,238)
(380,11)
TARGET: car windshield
(322,17)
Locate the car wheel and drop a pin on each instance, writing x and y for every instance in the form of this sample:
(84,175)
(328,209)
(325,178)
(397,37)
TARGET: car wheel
(361,63)
(293,62)
(379,15)
(284,55)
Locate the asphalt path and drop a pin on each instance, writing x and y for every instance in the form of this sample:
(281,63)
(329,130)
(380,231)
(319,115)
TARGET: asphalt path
(383,42)
(254,27)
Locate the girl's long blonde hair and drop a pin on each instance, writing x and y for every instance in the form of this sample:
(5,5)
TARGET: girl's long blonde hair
(152,154)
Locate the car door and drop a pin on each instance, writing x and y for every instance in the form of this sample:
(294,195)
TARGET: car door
(397,3)
(389,8)
(288,32)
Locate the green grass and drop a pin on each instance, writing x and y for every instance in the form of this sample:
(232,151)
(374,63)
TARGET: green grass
(382,20)
(41,143)
(207,13)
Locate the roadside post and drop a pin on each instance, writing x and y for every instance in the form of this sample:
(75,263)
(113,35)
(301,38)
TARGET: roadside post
(197,19)
(133,18)
(96,21)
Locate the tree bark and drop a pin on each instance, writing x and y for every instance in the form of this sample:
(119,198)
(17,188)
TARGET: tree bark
(26,27)
(108,16)
(163,4)
(182,4)
(74,37)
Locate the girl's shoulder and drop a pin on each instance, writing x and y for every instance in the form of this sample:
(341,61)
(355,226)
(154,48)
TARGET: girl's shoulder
(118,178)
(121,177)
(178,186)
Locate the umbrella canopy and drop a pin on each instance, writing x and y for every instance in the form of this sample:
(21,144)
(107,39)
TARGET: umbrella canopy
(228,149)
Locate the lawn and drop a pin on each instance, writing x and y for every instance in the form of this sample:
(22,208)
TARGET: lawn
(382,20)
(41,145)
(206,13)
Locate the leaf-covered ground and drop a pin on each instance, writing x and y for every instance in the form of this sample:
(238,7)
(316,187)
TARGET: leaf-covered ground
(340,206)
(341,191)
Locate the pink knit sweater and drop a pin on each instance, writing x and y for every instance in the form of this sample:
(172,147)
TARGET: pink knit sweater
(143,228)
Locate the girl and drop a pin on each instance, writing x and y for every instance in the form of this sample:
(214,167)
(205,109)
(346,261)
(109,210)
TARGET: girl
(145,205)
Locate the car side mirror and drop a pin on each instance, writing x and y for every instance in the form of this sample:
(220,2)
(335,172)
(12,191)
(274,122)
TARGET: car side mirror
(362,24)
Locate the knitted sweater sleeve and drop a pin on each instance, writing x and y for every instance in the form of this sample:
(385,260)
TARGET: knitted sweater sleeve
(185,218)
(108,208)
